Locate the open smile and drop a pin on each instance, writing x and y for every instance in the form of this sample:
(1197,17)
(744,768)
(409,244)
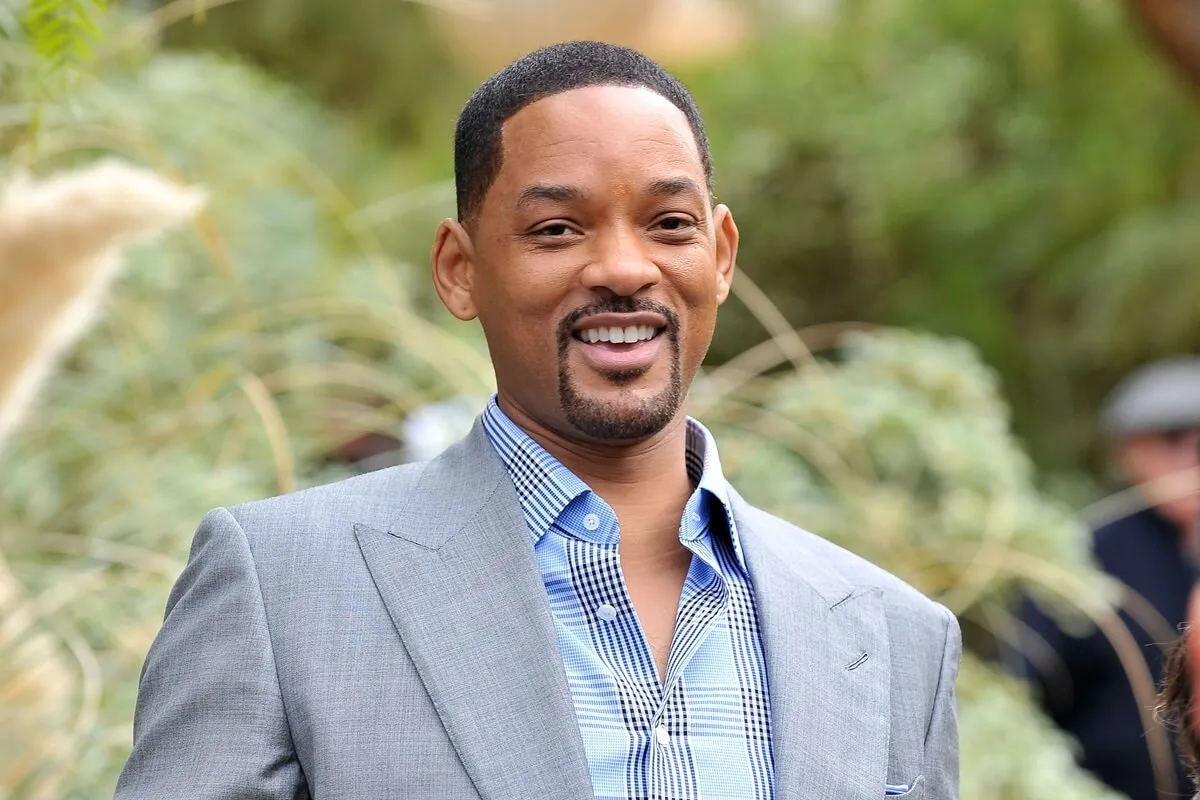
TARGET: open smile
(631,334)
(620,342)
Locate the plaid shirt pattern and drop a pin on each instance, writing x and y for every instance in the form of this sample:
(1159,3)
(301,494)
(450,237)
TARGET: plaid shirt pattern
(703,733)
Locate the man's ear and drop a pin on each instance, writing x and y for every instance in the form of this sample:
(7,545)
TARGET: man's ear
(727,249)
(453,262)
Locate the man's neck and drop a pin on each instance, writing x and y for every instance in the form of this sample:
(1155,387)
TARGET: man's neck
(646,483)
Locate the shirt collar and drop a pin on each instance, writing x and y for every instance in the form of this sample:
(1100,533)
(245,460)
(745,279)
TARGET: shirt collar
(545,487)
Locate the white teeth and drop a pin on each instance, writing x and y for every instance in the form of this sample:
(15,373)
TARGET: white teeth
(631,333)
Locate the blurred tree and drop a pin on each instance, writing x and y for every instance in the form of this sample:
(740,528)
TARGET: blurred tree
(946,164)
(672,31)
(60,241)
(1023,175)
(228,364)
(375,59)
(360,55)
(1175,26)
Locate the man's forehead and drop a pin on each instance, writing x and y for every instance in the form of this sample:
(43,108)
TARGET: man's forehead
(594,116)
(568,143)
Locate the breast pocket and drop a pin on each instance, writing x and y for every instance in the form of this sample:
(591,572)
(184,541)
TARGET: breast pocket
(911,791)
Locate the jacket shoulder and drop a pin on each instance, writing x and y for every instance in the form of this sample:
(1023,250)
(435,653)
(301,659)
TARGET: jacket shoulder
(370,499)
(804,547)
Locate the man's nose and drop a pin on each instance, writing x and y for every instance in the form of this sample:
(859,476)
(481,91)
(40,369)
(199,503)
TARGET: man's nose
(623,264)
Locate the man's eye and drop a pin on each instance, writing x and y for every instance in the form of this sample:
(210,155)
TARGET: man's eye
(674,223)
(555,230)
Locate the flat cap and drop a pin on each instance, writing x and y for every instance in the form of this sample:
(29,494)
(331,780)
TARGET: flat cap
(1159,397)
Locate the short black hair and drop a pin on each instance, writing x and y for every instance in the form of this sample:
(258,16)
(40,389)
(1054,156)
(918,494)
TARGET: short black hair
(543,73)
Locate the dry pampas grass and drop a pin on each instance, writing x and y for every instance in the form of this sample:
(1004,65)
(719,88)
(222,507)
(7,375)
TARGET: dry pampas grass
(60,241)
(59,252)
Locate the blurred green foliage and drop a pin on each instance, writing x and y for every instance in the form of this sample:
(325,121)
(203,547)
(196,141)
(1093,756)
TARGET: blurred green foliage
(902,452)
(1024,175)
(1018,175)
(359,57)
(229,364)
(995,713)
(63,32)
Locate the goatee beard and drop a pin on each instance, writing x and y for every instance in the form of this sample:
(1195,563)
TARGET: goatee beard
(624,419)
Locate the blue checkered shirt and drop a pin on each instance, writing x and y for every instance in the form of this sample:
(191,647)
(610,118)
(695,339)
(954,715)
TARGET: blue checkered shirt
(703,733)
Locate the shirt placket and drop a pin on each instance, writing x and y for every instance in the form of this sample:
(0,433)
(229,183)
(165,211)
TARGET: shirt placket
(618,638)
(703,602)
(654,712)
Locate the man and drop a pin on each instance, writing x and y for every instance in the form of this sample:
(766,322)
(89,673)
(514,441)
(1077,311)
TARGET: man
(570,602)
(1152,420)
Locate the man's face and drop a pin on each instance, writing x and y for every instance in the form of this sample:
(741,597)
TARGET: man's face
(597,263)
(1166,463)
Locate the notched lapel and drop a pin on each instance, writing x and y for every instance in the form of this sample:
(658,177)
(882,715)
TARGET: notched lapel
(467,599)
(829,668)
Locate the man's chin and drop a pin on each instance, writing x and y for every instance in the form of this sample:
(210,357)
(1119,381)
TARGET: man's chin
(612,382)
(620,413)
(626,389)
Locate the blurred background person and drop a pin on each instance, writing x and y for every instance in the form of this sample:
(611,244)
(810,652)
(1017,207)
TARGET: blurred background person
(1152,423)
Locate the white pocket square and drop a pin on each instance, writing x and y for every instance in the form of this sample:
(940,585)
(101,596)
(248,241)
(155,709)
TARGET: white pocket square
(902,789)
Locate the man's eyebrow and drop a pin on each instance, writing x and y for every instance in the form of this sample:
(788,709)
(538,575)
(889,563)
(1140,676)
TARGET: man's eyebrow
(545,191)
(671,187)
(664,187)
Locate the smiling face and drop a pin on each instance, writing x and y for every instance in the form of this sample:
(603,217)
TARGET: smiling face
(596,264)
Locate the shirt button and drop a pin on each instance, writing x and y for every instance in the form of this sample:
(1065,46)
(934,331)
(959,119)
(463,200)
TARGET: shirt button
(662,736)
(591,522)
(606,612)
(695,517)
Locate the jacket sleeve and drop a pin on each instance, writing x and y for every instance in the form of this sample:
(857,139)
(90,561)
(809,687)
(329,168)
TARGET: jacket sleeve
(210,722)
(941,739)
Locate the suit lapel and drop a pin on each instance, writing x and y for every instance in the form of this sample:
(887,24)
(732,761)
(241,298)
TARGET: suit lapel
(828,665)
(459,578)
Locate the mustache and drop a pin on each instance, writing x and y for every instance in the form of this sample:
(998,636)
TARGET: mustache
(616,305)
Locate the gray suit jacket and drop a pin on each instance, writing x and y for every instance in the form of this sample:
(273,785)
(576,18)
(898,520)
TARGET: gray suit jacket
(389,636)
